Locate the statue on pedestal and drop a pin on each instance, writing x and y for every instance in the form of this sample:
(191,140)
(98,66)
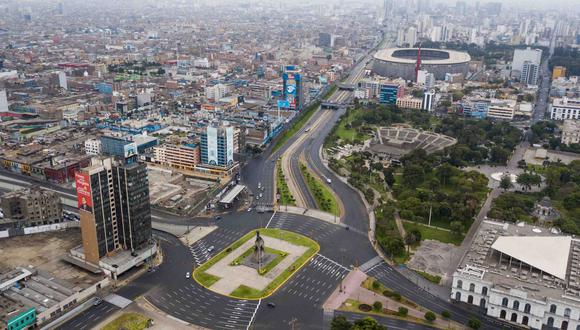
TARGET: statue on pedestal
(258,249)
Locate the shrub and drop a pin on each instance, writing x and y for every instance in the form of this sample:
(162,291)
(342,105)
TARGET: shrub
(376,285)
(474,323)
(403,311)
(378,306)
(446,314)
(430,316)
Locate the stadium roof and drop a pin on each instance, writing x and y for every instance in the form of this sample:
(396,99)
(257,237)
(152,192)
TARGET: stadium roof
(546,253)
(455,57)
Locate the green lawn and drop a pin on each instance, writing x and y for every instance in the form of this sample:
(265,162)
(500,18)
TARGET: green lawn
(128,321)
(244,292)
(431,278)
(297,125)
(286,197)
(325,200)
(434,233)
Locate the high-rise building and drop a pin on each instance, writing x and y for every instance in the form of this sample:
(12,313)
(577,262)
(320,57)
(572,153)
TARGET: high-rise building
(428,100)
(523,55)
(292,88)
(530,72)
(114,207)
(425,78)
(325,39)
(62,80)
(558,72)
(411,37)
(217,146)
(3,101)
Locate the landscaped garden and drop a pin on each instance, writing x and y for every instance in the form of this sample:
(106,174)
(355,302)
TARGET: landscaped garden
(325,200)
(248,269)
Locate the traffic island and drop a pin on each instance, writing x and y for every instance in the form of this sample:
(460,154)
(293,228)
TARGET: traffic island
(257,264)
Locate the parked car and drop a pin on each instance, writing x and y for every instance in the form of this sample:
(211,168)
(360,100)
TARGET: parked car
(211,248)
(97,301)
(187,275)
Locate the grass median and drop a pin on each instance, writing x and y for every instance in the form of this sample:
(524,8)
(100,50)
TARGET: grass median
(129,321)
(323,196)
(297,125)
(286,197)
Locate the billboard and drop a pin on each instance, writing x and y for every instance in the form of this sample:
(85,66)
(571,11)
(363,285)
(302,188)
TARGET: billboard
(212,146)
(130,149)
(84,198)
(291,82)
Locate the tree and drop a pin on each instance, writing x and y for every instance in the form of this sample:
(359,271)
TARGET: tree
(474,323)
(413,174)
(389,177)
(456,227)
(410,239)
(378,306)
(340,322)
(527,180)
(499,155)
(430,316)
(506,183)
(376,284)
(403,311)
(368,323)
(395,247)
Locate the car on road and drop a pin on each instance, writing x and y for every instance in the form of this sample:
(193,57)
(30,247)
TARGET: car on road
(217,217)
(250,209)
(97,301)
(211,248)
(187,275)
(328,180)
(271,305)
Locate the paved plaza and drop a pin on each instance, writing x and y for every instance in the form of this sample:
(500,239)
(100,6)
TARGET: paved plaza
(231,277)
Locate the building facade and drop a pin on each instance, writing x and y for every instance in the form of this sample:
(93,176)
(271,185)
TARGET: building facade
(292,91)
(184,157)
(530,72)
(565,108)
(217,146)
(410,103)
(31,207)
(523,55)
(571,132)
(502,109)
(114,207)
(388,93)
(93,147)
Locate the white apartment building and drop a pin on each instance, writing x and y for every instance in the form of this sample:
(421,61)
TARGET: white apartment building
(523,55)
(502,109)
(216,92)
(3,101)
(571,132)
(93,147)
(522,274)
(564,108)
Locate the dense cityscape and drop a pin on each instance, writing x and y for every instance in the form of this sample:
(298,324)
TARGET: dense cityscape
(244,164)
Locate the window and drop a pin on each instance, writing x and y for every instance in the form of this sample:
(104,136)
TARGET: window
(525,320)
(472,287)
(502,314)
(527,308)
(458,296)
(567,312)
(484,290)
(504,302)
(553,309)
(514,317)
(516,305)
(460,284)
(470,299)
(482,303)
(550,321)
(564,325)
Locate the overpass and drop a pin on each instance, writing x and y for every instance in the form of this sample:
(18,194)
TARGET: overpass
(332,105)
(346,87)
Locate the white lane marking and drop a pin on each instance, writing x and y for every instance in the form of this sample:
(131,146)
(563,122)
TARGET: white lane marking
(257,306)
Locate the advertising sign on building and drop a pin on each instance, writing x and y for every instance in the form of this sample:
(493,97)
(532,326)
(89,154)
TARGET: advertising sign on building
(130,149)
(84,199)
(212,146)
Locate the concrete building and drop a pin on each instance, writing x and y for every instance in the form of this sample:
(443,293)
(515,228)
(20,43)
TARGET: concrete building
(502,109)
(30,207)
(564,108)
(114,208)
(535,286)
(571,132)
(410,103)
(428,100)
(181,157)
(3,101)
(93,147)
(525,55)
(389,93)
(119,147)
(216,92)
(426,79)
(558,72)
(475,108)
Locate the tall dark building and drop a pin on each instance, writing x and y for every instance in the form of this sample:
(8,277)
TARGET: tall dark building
(114,207)
(325,39)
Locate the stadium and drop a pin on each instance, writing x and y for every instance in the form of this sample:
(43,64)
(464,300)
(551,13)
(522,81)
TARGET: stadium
(401,62)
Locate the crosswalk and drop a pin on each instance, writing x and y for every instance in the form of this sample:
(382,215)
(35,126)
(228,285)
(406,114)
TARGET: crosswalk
(201,251)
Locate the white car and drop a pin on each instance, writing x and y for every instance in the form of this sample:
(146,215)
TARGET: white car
(250,209)
(211,248)
(187,275)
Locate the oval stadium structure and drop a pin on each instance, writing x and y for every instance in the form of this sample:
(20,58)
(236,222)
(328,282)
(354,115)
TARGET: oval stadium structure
(401,62)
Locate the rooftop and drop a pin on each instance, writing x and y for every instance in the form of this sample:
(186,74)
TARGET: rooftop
(451,57)
(537,260)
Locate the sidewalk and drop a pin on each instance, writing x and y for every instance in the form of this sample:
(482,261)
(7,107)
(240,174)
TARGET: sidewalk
(351,282)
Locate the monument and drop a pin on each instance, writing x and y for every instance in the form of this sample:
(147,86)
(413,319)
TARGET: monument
(258,254)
